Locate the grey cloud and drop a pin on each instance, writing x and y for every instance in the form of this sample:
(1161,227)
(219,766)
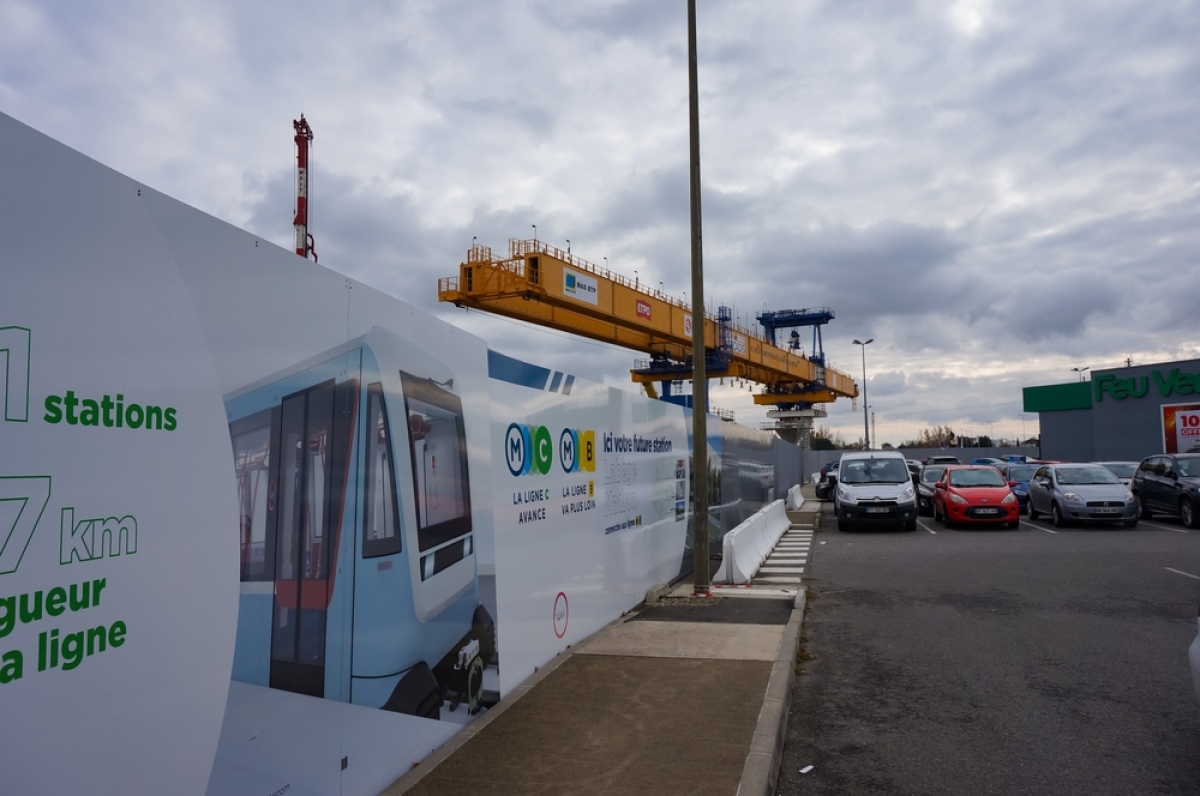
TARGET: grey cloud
(890,382)
(1023,194)
(885,269)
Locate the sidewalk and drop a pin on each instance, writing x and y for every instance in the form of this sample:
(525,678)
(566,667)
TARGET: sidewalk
(680,696)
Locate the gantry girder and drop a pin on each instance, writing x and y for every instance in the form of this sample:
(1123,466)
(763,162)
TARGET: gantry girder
(547,286)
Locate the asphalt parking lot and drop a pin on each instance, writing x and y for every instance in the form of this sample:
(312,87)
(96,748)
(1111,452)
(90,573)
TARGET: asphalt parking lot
(1159,523)
(1037,660)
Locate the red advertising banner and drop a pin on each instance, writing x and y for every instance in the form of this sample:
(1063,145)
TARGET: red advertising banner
(1181,428)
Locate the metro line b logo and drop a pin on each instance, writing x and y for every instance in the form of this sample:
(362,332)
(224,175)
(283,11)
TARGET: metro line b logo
(528,450)
(577,450)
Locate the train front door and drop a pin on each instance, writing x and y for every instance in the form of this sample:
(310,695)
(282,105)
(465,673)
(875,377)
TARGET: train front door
(309,513)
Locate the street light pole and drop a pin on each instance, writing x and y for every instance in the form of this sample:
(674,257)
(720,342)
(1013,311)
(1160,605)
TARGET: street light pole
(1080,372)
(702,577)
(866,424)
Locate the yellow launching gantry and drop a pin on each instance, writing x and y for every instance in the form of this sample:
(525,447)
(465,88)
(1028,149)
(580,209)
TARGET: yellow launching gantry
(541,284)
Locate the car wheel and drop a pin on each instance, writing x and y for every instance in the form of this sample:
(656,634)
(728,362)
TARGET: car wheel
(1187,513)
(1143,509)
(1033,513)
(937,516)
(1130,523)
(1056,516)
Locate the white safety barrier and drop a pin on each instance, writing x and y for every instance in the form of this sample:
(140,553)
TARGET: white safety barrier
(795,499)
(749,544)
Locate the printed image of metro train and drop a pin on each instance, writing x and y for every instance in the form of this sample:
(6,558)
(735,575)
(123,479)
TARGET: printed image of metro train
(358,568)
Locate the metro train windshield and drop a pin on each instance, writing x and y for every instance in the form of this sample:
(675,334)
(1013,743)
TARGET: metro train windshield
(438,444)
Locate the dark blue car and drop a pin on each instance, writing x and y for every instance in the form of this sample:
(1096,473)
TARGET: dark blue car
(1020,473)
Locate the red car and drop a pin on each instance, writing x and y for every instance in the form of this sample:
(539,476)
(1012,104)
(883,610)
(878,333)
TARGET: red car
(975,495)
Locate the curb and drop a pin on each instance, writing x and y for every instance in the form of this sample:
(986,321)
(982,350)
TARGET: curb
(761,770)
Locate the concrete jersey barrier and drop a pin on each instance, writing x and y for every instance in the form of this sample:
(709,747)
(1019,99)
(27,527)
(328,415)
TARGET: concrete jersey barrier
(749,544)
(795,498)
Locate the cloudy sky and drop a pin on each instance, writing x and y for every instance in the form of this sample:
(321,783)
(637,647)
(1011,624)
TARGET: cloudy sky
(996,192)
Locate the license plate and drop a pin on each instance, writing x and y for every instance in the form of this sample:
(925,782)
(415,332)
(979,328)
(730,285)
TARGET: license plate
(987,511)
(1105,511)
(877,511)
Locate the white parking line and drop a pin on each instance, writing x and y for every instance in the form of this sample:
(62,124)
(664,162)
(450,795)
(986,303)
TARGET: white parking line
(926,527)
(1039,527)
(1162,527)
(1181,572)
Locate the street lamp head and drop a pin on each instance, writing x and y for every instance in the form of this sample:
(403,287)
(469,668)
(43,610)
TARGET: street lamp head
(868,342)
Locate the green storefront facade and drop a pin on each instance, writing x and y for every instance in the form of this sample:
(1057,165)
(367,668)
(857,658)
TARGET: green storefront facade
(1120,414)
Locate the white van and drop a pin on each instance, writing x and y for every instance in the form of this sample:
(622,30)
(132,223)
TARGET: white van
(874,487)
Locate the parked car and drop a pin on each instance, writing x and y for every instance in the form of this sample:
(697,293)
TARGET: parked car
(942,460)
(914,468)
(1122,470)
(1170,484)
(874,488)
(975,494)
(1194,658)
(930,475)
(990,461)
(1018,476)
(828,482)
(1081,493)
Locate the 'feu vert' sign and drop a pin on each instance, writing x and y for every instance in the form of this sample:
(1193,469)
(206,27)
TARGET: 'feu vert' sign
(1176,382)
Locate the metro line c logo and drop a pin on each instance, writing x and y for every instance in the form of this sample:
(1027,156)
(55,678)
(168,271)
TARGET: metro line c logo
(577,450)
(528,450)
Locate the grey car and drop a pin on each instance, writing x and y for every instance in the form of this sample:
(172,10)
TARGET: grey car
(1081,493)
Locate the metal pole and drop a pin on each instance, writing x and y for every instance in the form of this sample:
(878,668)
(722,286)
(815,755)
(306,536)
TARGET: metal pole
(866,424)
(866,428)
(702,577)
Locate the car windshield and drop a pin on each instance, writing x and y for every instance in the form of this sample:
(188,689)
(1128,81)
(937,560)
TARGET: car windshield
(982,477)
(1189,466)
(932,473)
(1079,476)
(1120,469)
(1021,474)
(874,471)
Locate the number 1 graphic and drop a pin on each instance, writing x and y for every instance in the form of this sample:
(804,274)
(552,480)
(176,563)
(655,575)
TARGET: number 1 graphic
(14,353)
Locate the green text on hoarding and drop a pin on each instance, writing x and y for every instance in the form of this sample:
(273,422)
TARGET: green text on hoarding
(107,412)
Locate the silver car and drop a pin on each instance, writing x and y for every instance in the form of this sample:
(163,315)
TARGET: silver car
(1081,493)
(1122,470)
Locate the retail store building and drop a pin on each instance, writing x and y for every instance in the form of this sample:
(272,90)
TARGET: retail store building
(1120,414)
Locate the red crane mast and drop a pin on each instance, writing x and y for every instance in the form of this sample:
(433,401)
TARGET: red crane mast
(304,241)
